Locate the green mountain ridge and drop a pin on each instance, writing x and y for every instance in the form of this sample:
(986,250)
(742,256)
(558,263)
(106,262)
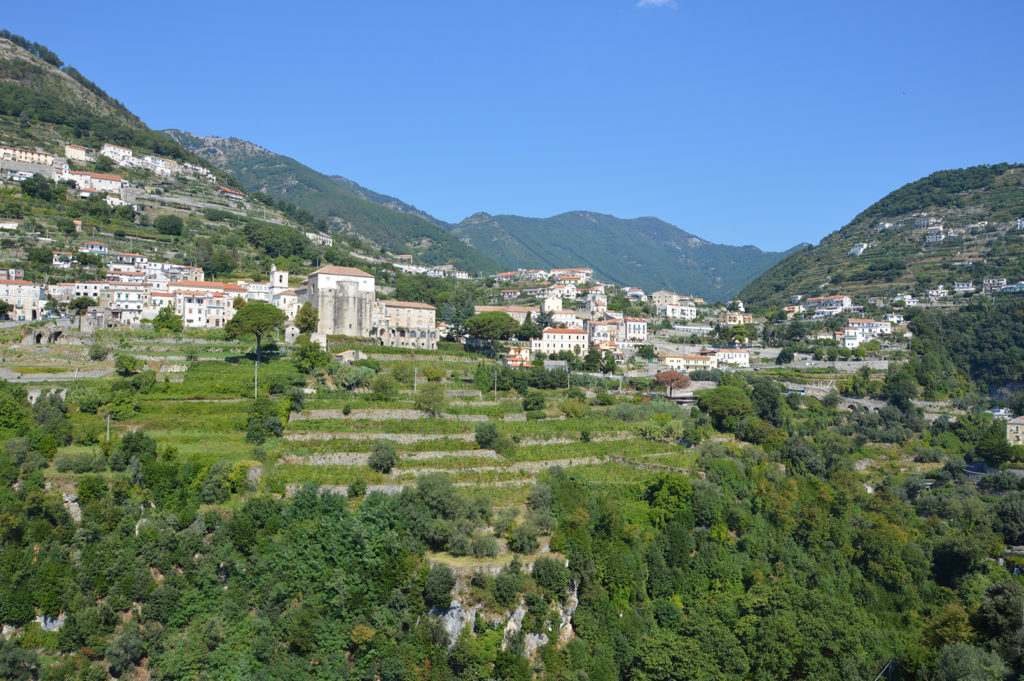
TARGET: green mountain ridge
(259,169)
(645,252)
(977,209)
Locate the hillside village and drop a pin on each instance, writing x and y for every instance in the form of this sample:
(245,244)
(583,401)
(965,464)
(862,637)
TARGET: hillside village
(243,437)
(569,307)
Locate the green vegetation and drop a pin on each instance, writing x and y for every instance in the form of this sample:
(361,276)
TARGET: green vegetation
(983,201)
(284,178)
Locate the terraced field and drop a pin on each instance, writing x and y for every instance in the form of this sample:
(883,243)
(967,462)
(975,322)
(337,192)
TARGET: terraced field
(197,409)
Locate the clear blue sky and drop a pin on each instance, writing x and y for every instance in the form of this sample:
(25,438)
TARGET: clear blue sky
(743,122)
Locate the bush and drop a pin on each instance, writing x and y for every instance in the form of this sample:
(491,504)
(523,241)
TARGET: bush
(537,415)
(357,488)
(533,401)
(98,353)
(437,587)
(551,576)
(383,457)
(484,546)
(523,538)
(169,224)
(575,409)
(126,365)
(487,435)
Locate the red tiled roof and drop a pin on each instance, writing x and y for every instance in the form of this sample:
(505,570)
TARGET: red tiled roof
(576,331)
(19,282)
(342,271)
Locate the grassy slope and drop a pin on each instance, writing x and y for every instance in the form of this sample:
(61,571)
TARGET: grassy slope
(899,260)
(644,252)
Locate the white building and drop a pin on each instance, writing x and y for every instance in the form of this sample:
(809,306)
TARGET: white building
(122,156)
(824,306)
(558,340)
(321,239)
(94,248)
(62,260)
(76,153)
(733,356)
(673,311)
(26,299)
(98,182)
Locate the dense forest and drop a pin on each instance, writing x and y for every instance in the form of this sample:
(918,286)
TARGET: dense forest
(774,563)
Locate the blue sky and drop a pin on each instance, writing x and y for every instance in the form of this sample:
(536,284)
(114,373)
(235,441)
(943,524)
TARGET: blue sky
(744,122)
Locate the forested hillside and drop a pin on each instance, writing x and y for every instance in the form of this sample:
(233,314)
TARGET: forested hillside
(972,213)
(644,252)
(284,178)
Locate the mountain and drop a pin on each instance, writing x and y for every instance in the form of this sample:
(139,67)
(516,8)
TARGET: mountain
(645,252)
(349,208)
(973,217)
(53,102)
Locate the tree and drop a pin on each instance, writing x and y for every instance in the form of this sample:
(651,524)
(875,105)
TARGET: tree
(528,330)
(257,318)
(169,224)
(673,380)
(726,405)
(437,587)
(5,307)
(126,365)
(491,326)
(166,320)
(785,356)
(38,187)
(307,318)
(81,304)
(383,457)
(104,164)
(430,399)
(645,352)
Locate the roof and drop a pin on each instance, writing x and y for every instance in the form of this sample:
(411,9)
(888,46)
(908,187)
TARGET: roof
(18,282)
(73,146)
(108,144)
(342,271)
(404,303)
(206,285)
(231,191)
(97,176)
(576,331)
(1019,421)
(505,308)
(717,350)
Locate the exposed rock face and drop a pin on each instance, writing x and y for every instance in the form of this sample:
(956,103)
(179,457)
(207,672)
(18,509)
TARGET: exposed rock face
(572,601)
(454,619)
(51,623)
(514,626)
(71,504)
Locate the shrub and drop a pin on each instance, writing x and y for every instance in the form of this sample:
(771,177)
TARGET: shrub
(523,538)
(437,587)
(98,353)
(533,401)
(484,546)
(537,415)
(357,488)
(575,409)
(383,457)
(551,576)
(487,435)
(126,365)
